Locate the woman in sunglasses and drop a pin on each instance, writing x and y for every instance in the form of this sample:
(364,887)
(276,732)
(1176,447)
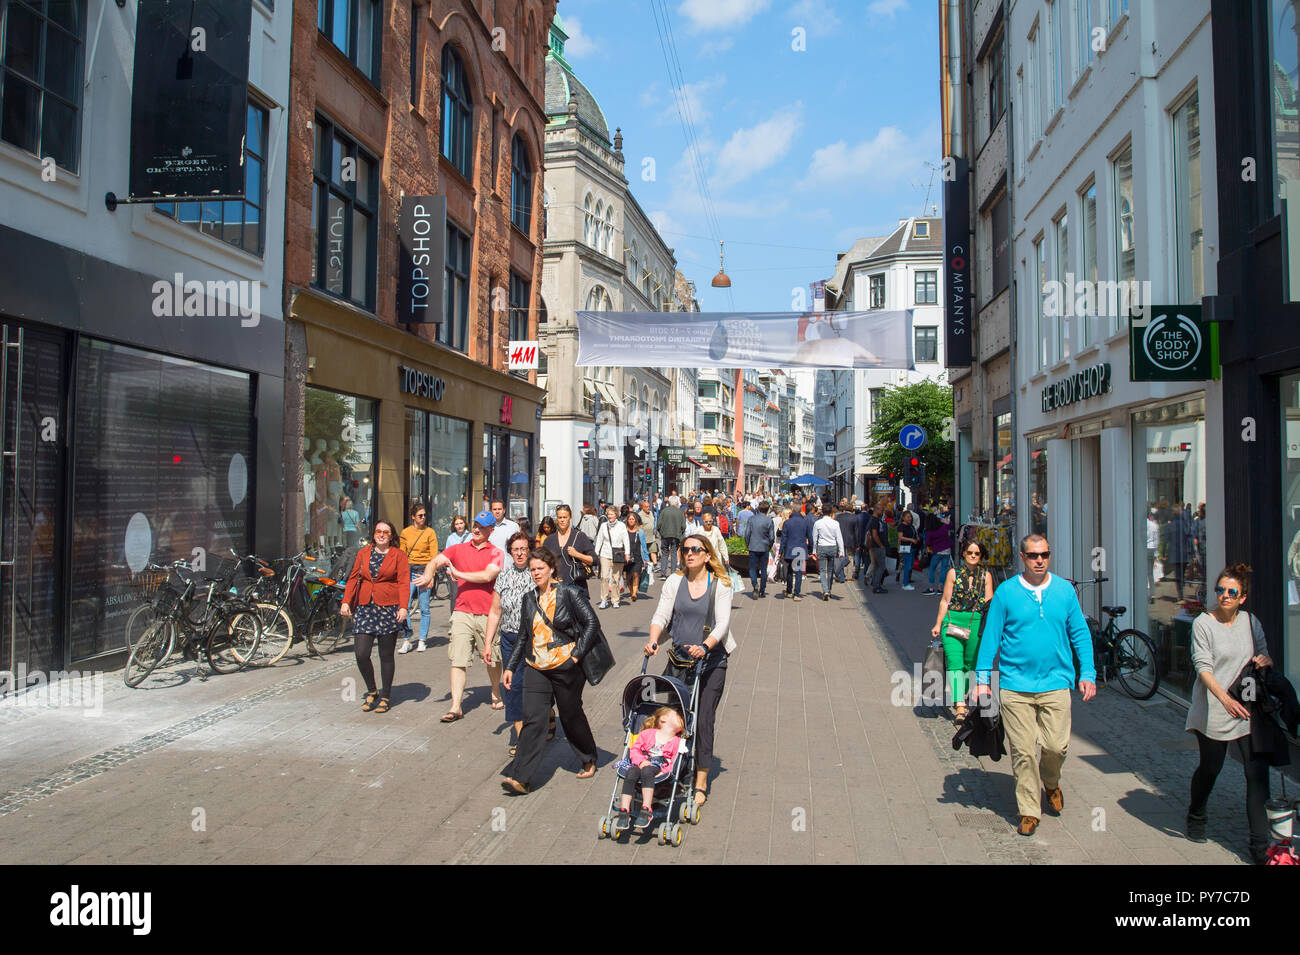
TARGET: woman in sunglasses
(1224,640)
(967,590)
(379,588)
(695,608)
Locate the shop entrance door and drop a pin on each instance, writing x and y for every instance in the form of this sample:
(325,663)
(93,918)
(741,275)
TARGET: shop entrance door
(1090,554)
(33,399)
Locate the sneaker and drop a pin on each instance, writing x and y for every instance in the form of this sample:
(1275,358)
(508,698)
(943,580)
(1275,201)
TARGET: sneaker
(908,587)
(603,605)
(421,648)
(623,821)
(406,647)
(797,597)
(1196,828)
(879,590)
(643,819)
(615,605)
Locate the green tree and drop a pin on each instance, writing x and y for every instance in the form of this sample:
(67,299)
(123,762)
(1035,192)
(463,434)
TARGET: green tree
(925,403)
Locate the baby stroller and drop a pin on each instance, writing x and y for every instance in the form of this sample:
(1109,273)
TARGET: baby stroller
(641,697)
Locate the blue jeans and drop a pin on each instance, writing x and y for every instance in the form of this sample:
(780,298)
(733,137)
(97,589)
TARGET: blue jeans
(793,577)
(859,558)
(424,604)
(906,561)
(826,557)
(758,571)
(513,697)
(938,561)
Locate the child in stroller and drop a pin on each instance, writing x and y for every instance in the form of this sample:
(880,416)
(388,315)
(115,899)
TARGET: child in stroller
(650,757)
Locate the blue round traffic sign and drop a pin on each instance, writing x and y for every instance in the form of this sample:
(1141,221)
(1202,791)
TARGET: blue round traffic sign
(912,437)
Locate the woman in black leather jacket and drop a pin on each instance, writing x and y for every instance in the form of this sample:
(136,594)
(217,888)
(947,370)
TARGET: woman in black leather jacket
(556,629)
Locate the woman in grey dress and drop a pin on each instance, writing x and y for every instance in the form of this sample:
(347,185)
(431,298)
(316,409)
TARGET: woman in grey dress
(1224,641)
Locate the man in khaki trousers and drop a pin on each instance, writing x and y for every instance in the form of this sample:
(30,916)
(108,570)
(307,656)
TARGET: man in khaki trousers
(1035,627)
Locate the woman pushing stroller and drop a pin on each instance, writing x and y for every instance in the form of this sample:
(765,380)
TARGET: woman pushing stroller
(695,609)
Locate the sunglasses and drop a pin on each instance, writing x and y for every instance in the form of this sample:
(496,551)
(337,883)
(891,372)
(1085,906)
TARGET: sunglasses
(419,517)
(1041,555)
(1230,591)
(692,550)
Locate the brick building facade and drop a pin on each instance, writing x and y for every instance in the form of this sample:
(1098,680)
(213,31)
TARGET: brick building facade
(379,112)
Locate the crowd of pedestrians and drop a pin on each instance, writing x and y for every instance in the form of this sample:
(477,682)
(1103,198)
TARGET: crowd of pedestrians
(521,603)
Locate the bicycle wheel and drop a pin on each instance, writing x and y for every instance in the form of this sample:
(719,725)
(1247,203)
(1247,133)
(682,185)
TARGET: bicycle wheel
(1135,664)
(277,634)
(232,641)
(152,648)
(326,626)
(142,618)
(441,588)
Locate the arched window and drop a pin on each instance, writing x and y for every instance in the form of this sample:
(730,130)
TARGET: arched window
(608,247)
(588,222)
(521,186)
(645,282)
(597,299)
(457,114)
(597,232)
(632,262)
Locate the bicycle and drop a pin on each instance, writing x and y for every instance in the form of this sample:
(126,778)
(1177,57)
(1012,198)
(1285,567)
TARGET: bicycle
(293,605)
(217,625)
(1128,655)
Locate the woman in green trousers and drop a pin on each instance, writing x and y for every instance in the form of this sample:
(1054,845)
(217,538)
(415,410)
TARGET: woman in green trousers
(967,590)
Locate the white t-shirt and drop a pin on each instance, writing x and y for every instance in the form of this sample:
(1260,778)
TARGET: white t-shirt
(1036,591)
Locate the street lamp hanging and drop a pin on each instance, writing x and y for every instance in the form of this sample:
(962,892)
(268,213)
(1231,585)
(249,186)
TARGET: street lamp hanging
(721,280)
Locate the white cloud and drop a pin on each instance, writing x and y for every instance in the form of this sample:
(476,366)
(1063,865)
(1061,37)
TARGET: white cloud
(887,159)
(649,96)
(692,96)
(714,47)
(882,8)
(578,44)
(714,14)
(752,150)
(815,16)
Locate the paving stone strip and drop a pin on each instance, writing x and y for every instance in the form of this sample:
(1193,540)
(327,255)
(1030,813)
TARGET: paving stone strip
(90,766)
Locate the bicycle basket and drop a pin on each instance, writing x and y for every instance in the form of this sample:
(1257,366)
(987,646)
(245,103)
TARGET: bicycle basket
(146,583)
(166,600)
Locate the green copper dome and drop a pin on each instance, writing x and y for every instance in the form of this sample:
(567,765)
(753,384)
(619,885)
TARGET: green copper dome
(561,84)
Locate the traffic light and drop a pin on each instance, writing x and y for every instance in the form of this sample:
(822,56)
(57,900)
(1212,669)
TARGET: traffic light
(911,472)
(920,475)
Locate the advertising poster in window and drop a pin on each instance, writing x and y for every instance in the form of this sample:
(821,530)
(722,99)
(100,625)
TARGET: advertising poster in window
(189,97)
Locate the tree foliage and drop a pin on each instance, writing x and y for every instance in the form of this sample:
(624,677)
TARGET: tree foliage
(924,403)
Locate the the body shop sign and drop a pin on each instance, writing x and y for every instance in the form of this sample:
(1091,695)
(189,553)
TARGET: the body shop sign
(1175,345)
(1086,383)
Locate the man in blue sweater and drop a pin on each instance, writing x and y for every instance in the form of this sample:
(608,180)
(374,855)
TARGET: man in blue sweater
(1032,624)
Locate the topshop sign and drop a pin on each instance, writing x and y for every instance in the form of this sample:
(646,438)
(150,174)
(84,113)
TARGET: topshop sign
(1087,383)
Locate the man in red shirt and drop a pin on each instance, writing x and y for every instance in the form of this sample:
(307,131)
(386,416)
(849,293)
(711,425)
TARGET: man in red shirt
(474,564)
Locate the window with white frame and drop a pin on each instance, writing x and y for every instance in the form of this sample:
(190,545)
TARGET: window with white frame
(1125,229)
(588,222)
(1083,30)
(1020,130)
(1117,10)
(1034,82)
(1059,52)
(1088,332)
(927,346)
(1039,284)
(995,74)
(927,287)
(41,66)
(877,396)
(877,294)
(597,299)
(1061,324)
(1189,227)
(608,246)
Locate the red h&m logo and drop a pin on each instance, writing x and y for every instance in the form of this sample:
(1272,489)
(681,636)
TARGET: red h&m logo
(523,357)
(507,409)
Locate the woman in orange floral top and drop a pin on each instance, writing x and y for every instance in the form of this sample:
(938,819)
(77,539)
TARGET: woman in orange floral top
(563,628)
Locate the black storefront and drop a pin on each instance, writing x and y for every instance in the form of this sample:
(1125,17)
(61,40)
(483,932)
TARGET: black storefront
(130,437)
(1257,150)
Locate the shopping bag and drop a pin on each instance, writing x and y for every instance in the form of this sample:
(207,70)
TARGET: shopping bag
(1158,571)
(737,583)
(933,669)
(772,565)
(645,582)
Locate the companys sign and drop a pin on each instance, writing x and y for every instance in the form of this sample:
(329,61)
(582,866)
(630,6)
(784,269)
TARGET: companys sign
(1175,345)
(957,262)
(1086,383)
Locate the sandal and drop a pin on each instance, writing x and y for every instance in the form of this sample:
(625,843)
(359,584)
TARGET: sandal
(514,787)
(382,705)
(587,771)
(369,704)
(511,750)
(452,716)
(701,792)
(960,716)
(498,704)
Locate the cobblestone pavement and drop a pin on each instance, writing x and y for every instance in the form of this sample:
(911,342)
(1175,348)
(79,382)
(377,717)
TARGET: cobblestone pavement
(814,764)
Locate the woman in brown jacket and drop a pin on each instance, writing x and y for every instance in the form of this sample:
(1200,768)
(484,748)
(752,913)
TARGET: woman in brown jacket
(379,587)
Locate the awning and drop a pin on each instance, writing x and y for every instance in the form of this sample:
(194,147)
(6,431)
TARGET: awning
(711,449)
(730,453)
(608,393)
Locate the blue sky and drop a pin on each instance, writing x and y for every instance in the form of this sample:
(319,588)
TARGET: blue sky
(803,150)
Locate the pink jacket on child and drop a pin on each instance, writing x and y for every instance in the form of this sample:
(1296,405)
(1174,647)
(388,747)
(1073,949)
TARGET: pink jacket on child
(647,747)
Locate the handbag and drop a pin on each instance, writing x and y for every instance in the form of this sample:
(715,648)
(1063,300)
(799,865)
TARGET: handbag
(924,561)
(934,662)
(618,555)
(959,633)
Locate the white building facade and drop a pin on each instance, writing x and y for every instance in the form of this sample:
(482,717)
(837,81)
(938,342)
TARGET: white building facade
(1114,471)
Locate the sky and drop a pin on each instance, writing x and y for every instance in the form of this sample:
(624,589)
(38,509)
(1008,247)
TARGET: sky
(802,151)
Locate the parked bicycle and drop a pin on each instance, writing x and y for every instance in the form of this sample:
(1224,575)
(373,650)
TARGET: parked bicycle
(210,622)
(295,599)
(1128,656)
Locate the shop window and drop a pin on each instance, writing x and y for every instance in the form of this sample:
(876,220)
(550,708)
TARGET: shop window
(1290,528)
(1004,479)
(241,223)
(1169,499)
(40,78)
(437,467)
(1038,503)
(345,200)
(338,458)
(164,471)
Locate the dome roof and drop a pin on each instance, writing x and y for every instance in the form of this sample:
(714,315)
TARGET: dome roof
(561,84)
